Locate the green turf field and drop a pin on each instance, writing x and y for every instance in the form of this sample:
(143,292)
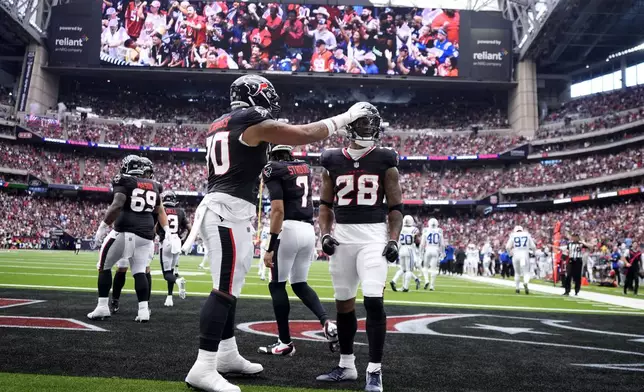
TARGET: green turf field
(64,270)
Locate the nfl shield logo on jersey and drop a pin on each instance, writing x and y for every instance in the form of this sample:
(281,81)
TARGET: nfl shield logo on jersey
(356,165)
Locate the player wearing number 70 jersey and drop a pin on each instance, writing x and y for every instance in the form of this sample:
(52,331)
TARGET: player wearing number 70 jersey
(521,244)
(237,144)
(136,199)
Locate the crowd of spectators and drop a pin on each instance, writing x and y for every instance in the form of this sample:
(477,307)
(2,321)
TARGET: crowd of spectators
(609,120)
(19,156)
(599,104)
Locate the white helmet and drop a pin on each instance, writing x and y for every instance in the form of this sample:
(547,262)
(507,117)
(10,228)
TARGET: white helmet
(518,228)
(408,220)
(433,223)
(470,246)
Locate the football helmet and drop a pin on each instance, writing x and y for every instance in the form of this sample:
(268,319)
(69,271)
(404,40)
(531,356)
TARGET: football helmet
(518,229)
(169,199)
(133,165)
(149,167)
(281,152)
(254,90)
(408,220)
(365,131)
(433,223)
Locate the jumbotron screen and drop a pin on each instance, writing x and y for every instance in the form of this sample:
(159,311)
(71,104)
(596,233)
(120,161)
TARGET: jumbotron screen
(289,38)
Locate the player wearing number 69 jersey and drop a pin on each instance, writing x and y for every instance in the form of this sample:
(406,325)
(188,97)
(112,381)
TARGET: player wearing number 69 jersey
(291,244)
(171,244)
(521,244)
(136,199)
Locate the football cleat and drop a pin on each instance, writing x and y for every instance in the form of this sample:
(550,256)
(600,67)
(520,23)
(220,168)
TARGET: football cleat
(426,285)
(100,313)
(518,291)
(374,382)
(278,348)
(181,282)
(431,288)
(230,362)
(417,283)
(331,334)
(405,290)
(168,301)
(114,306)
(393,285)
(525,287)
(204,378)
(339,374)
(143,316)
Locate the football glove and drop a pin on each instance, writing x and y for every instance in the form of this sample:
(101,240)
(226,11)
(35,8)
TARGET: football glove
(329,244)
(391,251)
(101,233)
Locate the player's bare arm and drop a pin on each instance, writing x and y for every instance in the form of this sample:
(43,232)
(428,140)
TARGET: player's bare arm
(394,202)
(277,218)
(115,208)
(163,218)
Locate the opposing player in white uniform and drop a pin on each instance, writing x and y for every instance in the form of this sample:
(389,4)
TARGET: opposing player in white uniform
(487,258)
(520,244)
(264,238)
(433,248)
(543,262)
(407,254)
(472,258)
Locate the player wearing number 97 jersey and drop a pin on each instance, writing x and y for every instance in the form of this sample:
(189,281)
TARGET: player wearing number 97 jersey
(291,244)
(521,244)
(354,185)
(136,199)
(171,244)
(236,154)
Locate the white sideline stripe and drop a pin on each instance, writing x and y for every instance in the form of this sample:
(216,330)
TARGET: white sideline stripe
(189,280)
(395,302)
(613,300)
(29,302)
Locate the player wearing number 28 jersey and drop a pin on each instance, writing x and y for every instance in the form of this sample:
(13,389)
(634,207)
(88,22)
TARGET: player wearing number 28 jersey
(136,199)
(354,185)
(236,153)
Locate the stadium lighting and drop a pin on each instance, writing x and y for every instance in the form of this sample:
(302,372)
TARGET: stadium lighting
(625,52)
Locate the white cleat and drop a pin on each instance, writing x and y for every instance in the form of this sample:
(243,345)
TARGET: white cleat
(201,266)
(168,301)
(205,378)
(230,362)
(181,282)
(100,313)
(143,316)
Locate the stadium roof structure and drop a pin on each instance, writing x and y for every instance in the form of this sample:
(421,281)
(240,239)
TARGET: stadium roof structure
(565,35)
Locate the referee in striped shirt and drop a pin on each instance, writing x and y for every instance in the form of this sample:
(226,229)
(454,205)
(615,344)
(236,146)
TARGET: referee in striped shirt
(575,263)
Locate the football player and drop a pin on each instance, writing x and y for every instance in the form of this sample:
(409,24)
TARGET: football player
(236,154)
(472,257)
(264,238)
(135,200)
(487,259)
(365,238)
(520,244)
(407,255)
(543,261)
(123,264)
(77,245)
(433,249)
(291,244)
(171,245)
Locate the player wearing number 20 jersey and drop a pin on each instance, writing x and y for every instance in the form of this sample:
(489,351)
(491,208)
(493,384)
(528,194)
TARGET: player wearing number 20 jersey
(136,199)
(291,244)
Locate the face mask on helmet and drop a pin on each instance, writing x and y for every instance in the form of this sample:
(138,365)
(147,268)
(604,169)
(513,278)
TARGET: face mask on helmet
(169,199)
(365,131)
(133,165)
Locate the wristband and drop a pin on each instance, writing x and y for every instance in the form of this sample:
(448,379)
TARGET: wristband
(272,242)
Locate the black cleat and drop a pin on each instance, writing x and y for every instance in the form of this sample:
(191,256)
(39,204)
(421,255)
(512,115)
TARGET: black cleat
(518,291)
(405,290)
(426,285)
(417,283)
(525,287)
(114,306)
(567,294)
(393,285)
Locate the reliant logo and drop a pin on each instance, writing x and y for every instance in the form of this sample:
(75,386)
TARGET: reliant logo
(72,42)
(485,55)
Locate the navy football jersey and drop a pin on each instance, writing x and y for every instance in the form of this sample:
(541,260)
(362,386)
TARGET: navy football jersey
(358,185)
(290,181)
(177,222)
(143,196)
(234,167)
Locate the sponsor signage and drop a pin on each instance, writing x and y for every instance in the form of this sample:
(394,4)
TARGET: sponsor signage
(491,54)
(26,80)
(73,36)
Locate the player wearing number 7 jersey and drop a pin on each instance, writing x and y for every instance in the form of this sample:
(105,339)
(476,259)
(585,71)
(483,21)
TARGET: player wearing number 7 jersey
(358,178)
(521,244)
(291,244)
(236,153)
(136,199)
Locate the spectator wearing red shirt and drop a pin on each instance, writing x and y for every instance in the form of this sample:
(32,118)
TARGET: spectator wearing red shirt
(196,26)
(293,31)
(322,59)
(262,38)
(450,21)
(274,23)
(349,14)
(134,18)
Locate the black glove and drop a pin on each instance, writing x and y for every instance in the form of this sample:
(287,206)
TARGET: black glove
(391,251)
(328,244)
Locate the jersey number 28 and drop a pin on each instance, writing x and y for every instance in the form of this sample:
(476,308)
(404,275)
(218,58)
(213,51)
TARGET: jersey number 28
(367,185)
(142,200)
